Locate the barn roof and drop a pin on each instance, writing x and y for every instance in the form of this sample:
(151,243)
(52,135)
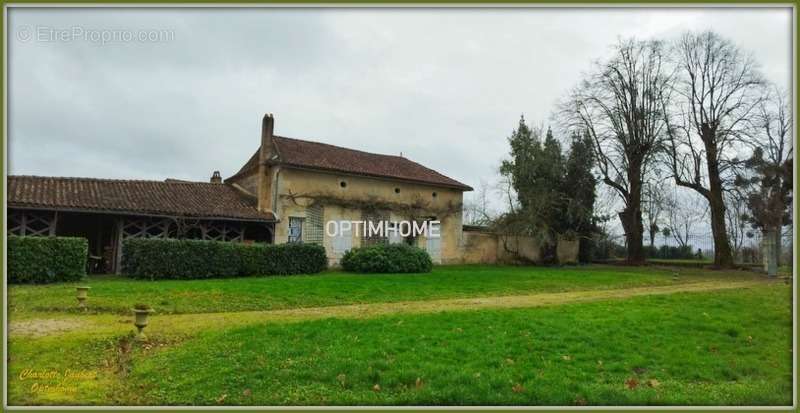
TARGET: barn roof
(135,197)
(321,156)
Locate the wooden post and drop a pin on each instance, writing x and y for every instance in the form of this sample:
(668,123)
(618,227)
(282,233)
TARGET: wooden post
(118,247)
(53,224)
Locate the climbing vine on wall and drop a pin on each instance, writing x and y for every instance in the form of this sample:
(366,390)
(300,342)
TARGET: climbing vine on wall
(414,209)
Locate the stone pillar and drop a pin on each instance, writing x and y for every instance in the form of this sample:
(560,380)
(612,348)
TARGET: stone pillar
(770,251)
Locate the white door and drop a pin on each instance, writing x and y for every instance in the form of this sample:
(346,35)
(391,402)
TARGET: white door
(342,242)
(434,244)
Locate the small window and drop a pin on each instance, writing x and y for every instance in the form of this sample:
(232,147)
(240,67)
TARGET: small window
(397,190)
(343,184)
(296,229)
(433,194)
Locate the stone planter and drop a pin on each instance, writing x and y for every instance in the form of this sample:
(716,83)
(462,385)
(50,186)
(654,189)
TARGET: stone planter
(567,250)
(141,321)
(82,295)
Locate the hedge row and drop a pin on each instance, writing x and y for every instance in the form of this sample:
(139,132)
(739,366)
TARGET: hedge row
(387,258)
(186,259)
(40,260)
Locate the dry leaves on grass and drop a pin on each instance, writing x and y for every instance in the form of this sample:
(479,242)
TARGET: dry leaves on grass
(221,399)
(653,383)
(247,393)
(632,383)
(376,387)
(517,388)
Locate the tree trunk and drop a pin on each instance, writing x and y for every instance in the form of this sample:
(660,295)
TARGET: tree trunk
(632,225)
(722,247)
(631,217)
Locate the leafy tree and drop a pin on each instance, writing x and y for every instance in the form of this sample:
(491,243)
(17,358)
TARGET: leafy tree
(579,190)
(531,170)
(555,193)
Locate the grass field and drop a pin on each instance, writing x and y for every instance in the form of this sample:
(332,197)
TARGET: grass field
(113,294)
(709,347)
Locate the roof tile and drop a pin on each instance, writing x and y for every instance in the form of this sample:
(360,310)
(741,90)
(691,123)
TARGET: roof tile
(315,155)
(190,199)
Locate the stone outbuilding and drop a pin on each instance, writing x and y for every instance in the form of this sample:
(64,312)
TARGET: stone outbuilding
(108,211)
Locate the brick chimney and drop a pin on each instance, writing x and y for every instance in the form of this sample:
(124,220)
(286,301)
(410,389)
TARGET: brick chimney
(216,178)
(264,170)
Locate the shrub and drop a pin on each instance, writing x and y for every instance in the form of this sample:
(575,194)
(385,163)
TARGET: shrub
(387,258)
(684,252)
(188,259)
(605,248)
(283,259)
(42,260)
(650,252)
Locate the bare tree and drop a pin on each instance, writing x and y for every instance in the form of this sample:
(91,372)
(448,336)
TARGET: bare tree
(736,222)
(653,204)
(684,213)
(716,90)
(477,210)
(505,189)
(619,104)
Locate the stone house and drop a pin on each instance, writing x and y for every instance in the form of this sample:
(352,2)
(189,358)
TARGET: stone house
(307,185)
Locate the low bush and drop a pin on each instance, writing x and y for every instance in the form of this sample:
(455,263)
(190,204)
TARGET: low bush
(40,260)
(387,258)
(189,259)
(283,259)
(669,252)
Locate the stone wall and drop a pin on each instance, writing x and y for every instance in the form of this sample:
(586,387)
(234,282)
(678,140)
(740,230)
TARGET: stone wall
(567,251)
(484,247)
(298,189)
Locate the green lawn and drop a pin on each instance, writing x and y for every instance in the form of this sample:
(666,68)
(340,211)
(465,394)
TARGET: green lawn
(679,349)
(726,347)
(112,294)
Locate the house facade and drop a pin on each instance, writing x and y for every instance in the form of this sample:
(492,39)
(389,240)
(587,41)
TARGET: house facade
(288,191)
(311,188)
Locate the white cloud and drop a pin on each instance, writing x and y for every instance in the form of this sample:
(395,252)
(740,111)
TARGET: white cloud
(443,86)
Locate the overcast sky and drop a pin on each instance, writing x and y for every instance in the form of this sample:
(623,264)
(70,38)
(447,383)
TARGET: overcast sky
(443,86)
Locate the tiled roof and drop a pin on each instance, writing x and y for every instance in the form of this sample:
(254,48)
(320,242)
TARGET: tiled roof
(189,199)
(314,155)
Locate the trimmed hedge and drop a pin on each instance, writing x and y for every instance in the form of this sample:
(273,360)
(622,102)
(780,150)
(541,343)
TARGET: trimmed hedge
(387,258)
(40,260)
(157,259)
